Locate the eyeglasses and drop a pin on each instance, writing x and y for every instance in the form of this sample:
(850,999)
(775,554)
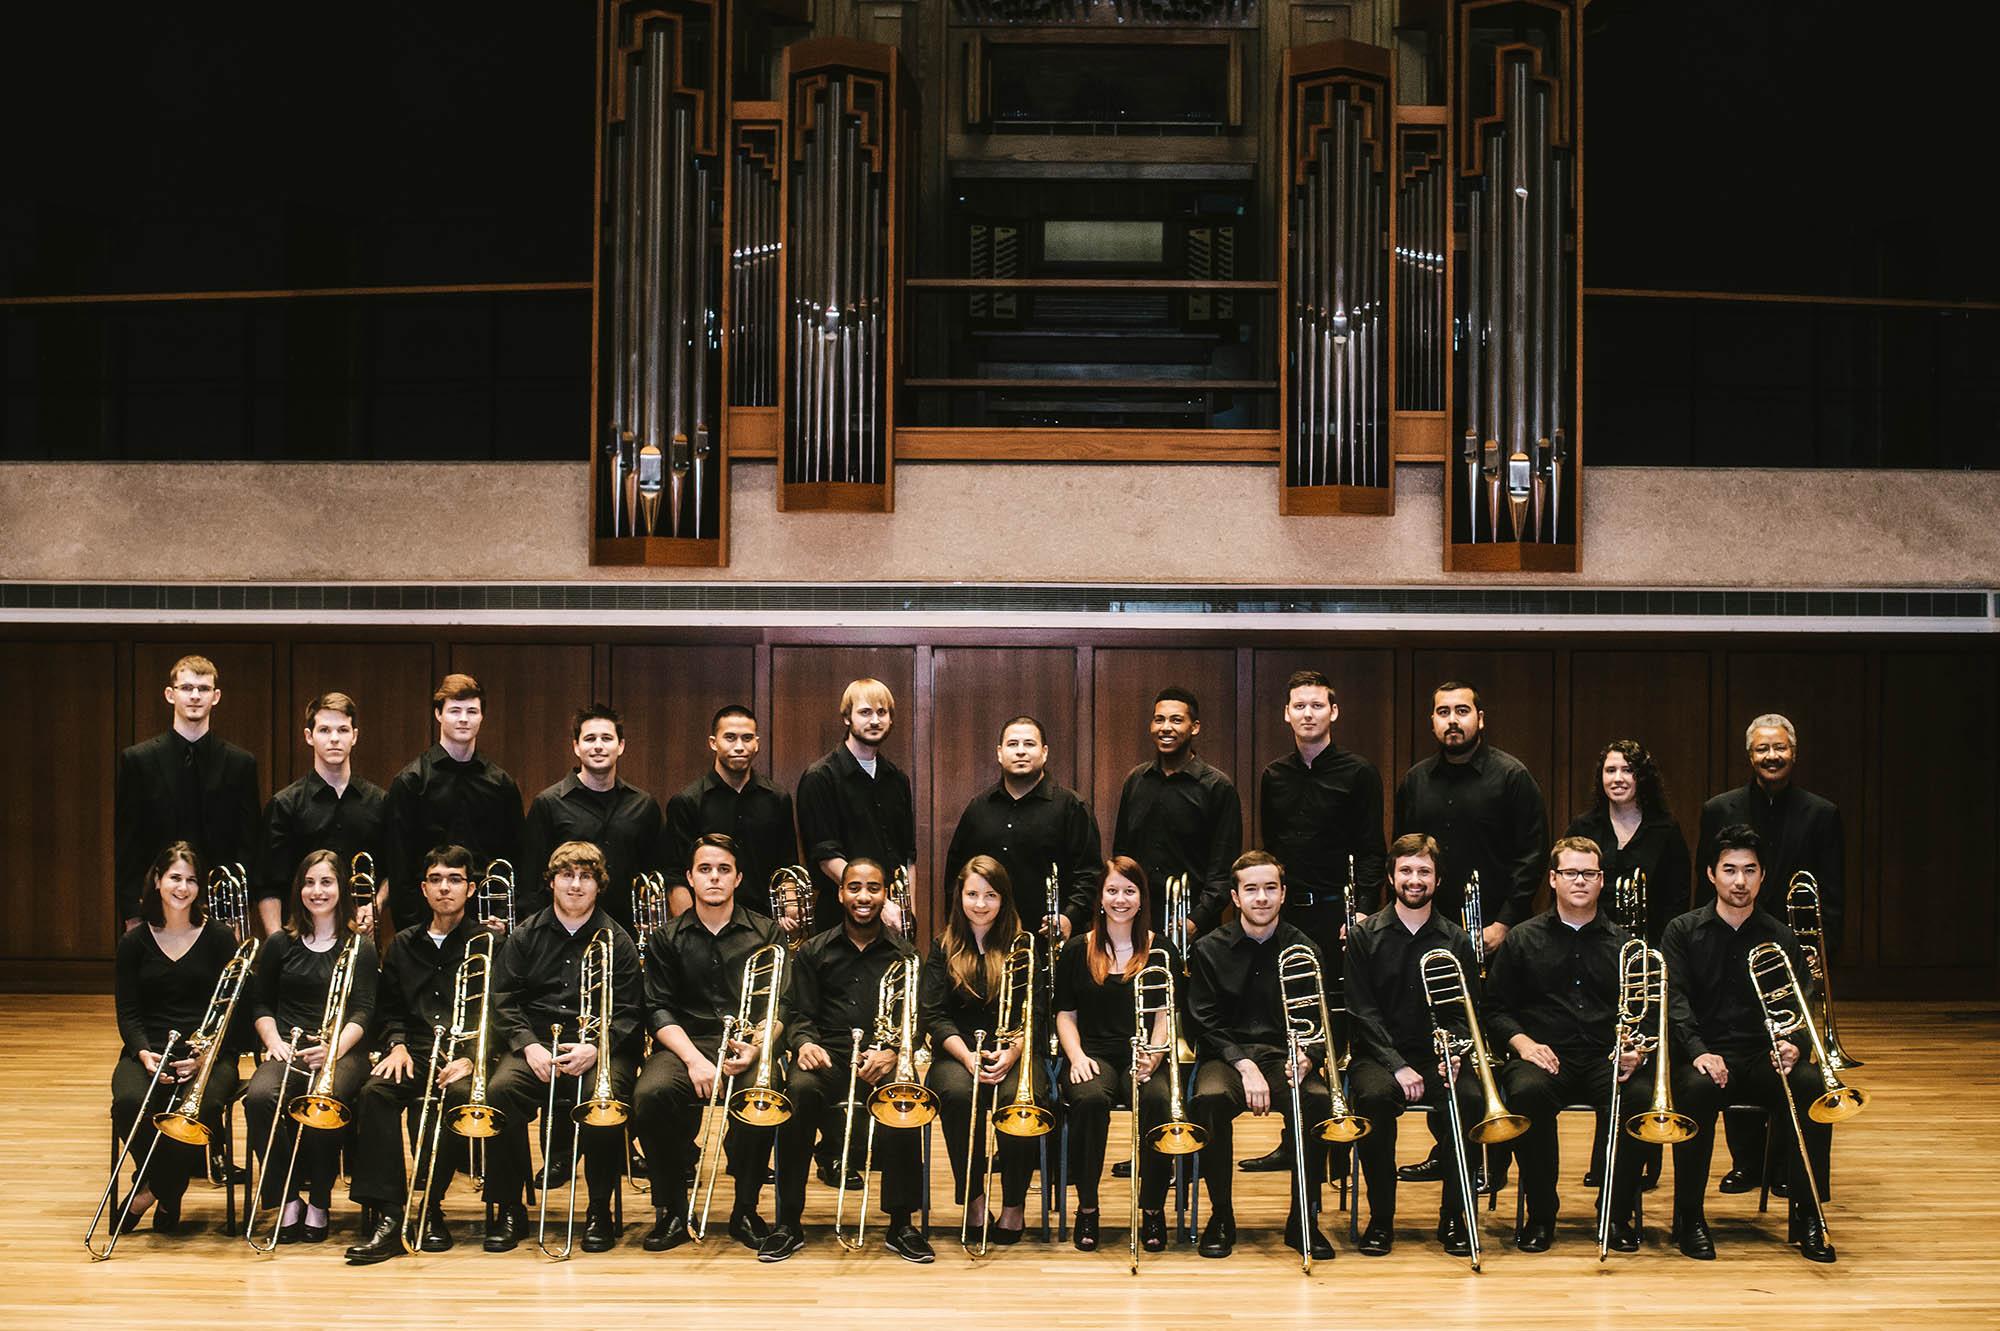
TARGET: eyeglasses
(1579,875)
(194,688)
(456,879)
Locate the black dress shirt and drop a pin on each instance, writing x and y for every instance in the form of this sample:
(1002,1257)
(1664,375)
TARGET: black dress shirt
(949,1010)
(291,982)
(846,814)
(1712,1006)
(1390,1016)
(1658,849)
(439,801)
(155,993)
(694,978)
(168,790)
(419,975)
(1801,830)
(1105,1021)
(835,988)
(1186,822)
(758,819)
(1314,817)
(1488,817)
(1047,826)
(1556,985)
(307,816)
(536,982)
(622,822)
(1234,1003)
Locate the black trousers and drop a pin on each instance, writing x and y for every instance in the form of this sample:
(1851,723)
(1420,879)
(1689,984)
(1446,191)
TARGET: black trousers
(1377,1098)
(376,1172)
(173,1163)
(1752,1081)
(1016,1157)
(521,1096)
(1541,1096)
(667,1114)
(1219,1098)
(816,1095)
(1089,1117)
(319,1153)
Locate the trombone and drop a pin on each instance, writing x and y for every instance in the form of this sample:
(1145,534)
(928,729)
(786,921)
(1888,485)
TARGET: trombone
(1642,990)
(1302,998)
(229,899)
(759,1104)
(181,1119)
(900,1102)
(1052,922)
(649,908)
(1802,913)
(904,900)
(1472,917)
(792,893)
(1787,1011)
(1628,902)
(476,1119)
(1444,988)
(1153,1002)
(601,1108)
(496,893)
(1020,1117)
(1176,912)
(361,881)
(316,1107)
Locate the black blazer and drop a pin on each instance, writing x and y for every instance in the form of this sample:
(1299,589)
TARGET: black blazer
(147,816)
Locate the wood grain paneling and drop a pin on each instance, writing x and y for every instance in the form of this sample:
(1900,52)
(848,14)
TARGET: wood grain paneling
(531,689)
(1124,682)
(243,716)
(666,696)
(56,794)
(391,684)
(1364,686)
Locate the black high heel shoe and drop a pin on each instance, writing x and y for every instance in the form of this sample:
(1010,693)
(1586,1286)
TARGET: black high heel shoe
(1084,1233)
(1153,1231)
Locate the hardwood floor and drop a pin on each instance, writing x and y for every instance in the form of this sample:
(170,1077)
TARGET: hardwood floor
(1916,1217)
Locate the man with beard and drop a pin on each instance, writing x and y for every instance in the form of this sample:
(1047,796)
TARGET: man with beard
(1030,822)
(855,803)
(740,802)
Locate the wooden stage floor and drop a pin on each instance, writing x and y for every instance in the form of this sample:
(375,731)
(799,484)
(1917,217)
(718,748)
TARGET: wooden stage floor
(1916,1218)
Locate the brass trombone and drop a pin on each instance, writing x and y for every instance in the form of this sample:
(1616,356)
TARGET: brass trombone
(317,1107)
(1628,902)
(601,1108)
(1176,913)
(181,1119)
(1472,916)
(759,1104)
(476,1119)
(1444,988)
(649,908)
(1052,922)
(1153,1002)
(229,899)
(361,879)
(1302,998)
(900,1102)
(904,900)
(495,897)
(1787,1011)
(1802,913)
(1642,991)
(792,894)
(1020,1117)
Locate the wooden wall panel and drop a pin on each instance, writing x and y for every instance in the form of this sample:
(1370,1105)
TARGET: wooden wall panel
(666,696)
(1364,685)
(1124,681)
(244,716)
(391,684)
(56,800)
(531,689)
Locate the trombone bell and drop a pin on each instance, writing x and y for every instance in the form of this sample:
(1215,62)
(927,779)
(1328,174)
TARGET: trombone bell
(903,1104)
(1662,1126)
(475,1120)
(319,1111)
(1838,1105)
(1176,1137)
(1024,1119)
(759,1106)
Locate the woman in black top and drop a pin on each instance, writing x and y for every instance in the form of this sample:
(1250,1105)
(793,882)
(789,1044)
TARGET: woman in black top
(293,976)
(959,997)
(166,972)
(1096,1022)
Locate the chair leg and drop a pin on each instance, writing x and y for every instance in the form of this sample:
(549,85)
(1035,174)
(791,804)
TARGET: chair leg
(1764,1187)
(1062,1177)
(926,1204)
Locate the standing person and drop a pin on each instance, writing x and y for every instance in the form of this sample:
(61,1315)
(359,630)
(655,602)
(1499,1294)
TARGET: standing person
(329,808)
(1031,823)
(854,802)
(1178,816)
(452,795)
(184,784)
(734,798)
(595,804)
(1321,814)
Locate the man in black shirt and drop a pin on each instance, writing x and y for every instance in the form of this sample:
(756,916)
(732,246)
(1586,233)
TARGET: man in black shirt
(536,987)
(1395,1061)
(694,979)
(1722,1048)
(184,784)
(1180,817)
(414,1000)
(1030,823)
(329,808)
(740,802)
(836,985)
(1552,998)
(452,796)
(1237,1011)
(594,804)
(854,802)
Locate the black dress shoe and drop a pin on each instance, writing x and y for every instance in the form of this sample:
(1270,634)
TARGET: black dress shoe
(312,1233)
(1781,1187)
(1322,1251)
(1121,1169)
(748,1228)
(1737,1180)
(1648,1182)
(1694,1240)
(437,1233)
(670,1230)
(908,1242)
(1005,1237)
(830,1176)
(1454,1236)
(600,1229)
(1084,1232)
(1624,1236)
(384,1241)
(635,1165)
(1218,1236)
(780,1243)
(558,1172)
(509,1228)
(1535,1236)
(1277,1159)
(1814,1246)
(1591,1178)
(1424,1171)
(1377,1239)
(292,1233)
(1483,1181)
(1153,1231)
(167,1216)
